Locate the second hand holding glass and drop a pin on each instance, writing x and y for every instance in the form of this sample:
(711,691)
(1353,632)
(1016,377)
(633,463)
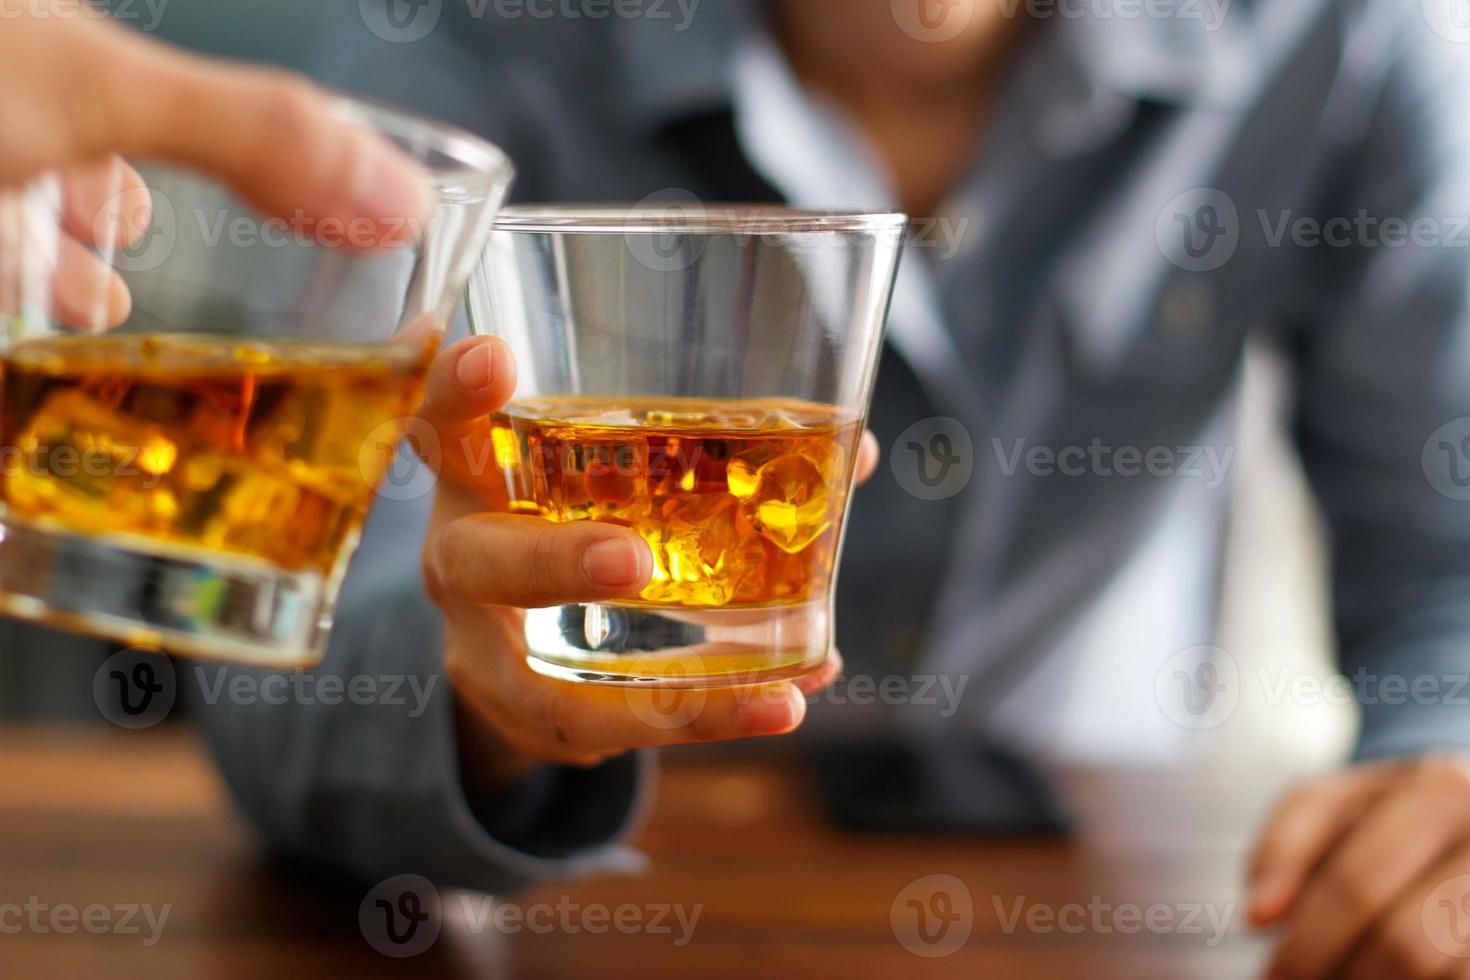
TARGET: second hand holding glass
(702,378)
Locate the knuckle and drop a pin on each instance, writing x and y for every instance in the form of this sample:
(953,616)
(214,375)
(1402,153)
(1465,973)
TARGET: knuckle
(429,563)
(292,103)
(703,724)
(1354,892)
(443,556)
(292,111)
(1407,954)
(1445,772)
(456,671)
(1298,798)
(1278,828)
(547,560)
(563,725)
(523,742)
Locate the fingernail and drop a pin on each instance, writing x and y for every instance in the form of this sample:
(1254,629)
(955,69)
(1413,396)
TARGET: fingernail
(613,565)
(1266,898)
(476,368)
(773,712)
(119,302)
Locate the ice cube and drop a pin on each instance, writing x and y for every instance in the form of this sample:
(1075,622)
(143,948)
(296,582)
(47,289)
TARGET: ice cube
(790,505)
(700,555)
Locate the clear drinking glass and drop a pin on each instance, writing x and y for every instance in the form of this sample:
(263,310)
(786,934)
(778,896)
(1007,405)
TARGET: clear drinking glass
(192,427)
(703,377)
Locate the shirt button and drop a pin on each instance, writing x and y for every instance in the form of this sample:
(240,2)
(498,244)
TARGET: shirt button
(1186,309)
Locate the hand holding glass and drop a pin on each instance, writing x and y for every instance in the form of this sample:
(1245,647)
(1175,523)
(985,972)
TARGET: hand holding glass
(702,378)
(196,476)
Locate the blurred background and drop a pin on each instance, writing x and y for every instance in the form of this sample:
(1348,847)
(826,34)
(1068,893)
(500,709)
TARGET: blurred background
(735,831)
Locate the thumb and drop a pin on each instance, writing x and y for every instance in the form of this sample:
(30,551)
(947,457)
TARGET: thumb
(468,380)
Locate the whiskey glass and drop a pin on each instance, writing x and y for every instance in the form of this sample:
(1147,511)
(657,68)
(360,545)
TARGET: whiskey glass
(193,423)
(702,375)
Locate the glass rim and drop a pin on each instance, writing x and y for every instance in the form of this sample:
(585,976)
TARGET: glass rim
(693,219)
(481,164)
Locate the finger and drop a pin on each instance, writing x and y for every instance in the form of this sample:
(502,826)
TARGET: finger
(607,719)
(468,380)
(529,563)
(282,143)
(584,724)
(85,291)
(822,677)
(1393,844)
(106,204)
(1426,933)
(236,123)
(869,455)
(1301,832)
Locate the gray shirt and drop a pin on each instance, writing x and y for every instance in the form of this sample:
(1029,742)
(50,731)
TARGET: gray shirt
(1145,200)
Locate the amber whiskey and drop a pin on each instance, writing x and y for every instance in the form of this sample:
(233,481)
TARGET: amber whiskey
(266,450)
(741,502)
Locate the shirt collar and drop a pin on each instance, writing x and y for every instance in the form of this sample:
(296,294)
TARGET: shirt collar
(1168,51)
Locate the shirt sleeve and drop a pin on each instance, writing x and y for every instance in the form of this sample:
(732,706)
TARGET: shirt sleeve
(1383,413)
(354,765)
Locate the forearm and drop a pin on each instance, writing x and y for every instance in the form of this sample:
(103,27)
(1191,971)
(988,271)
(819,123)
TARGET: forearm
(1403,619)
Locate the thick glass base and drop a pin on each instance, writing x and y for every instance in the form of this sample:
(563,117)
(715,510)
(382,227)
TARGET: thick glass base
(600,643)
(140,592)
